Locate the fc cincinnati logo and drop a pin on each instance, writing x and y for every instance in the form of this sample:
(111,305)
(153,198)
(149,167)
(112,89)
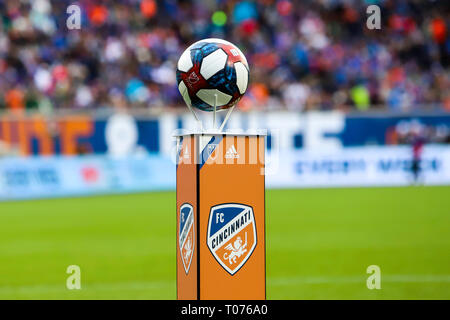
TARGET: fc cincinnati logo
(231,235)
(186,235)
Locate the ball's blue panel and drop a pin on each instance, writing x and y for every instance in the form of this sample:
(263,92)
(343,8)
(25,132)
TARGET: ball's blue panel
(196,56)
(199,45)
(201,50)
(209,48)
(225,81)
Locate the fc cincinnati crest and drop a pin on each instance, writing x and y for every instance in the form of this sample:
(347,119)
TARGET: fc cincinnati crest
(231,235)
(186,235)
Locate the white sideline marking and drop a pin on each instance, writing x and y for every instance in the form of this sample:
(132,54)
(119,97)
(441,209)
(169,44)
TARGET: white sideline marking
(86,287)
(282,281)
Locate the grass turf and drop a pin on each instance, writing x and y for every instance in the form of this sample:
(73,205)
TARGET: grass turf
(319,244)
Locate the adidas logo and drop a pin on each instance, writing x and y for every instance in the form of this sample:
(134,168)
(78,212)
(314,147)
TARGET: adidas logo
(232,153)
(186,153)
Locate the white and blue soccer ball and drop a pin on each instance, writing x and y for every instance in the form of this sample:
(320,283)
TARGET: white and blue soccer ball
(212,72)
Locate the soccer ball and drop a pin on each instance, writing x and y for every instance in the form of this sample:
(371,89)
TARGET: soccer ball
(212,72)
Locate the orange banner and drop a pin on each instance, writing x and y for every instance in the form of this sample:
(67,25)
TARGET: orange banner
(20,132)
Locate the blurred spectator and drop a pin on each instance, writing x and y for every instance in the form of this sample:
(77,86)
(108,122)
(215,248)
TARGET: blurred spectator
(360,97)
(303,55)
(15,99)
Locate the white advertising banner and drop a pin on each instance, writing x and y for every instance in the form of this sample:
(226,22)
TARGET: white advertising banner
(35,177)
(359,166)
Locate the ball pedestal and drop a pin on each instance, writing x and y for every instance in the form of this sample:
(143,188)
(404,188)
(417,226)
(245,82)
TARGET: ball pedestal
(220,216)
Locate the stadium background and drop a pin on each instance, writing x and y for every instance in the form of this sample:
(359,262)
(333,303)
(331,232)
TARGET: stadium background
(92,112)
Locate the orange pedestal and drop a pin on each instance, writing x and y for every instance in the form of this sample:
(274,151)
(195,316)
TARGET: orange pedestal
(221,217)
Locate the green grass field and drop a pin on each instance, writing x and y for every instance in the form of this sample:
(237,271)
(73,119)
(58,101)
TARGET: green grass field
(319,244)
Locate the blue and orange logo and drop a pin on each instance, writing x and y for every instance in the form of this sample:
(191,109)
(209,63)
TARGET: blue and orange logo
(186,235)
(231,236)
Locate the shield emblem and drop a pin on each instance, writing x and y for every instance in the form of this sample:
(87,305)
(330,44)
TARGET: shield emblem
(211,147)
(186,235)
(231,235)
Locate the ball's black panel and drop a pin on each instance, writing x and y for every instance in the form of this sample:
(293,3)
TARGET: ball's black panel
(178,74)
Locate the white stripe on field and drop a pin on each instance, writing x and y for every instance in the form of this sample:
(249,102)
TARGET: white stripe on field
(271,281)
(94,286)
(287,281)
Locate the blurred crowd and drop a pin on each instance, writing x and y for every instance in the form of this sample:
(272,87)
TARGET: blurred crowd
(303,55)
